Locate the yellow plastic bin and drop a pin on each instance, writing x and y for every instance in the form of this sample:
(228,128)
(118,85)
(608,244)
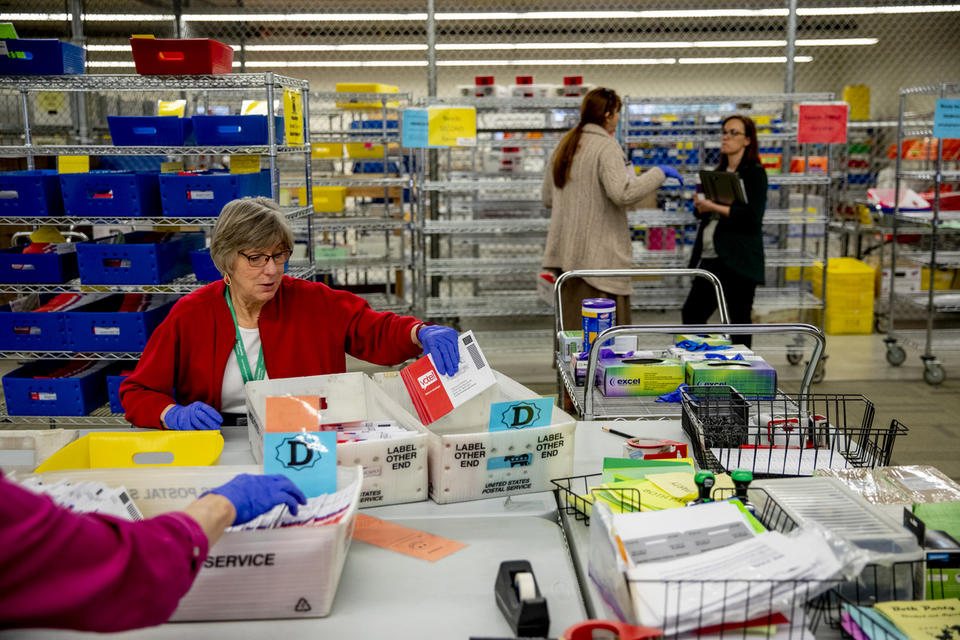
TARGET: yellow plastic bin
(366,87)
(360,150)
(138,449)
(324,150)
(325,199)
(848,322)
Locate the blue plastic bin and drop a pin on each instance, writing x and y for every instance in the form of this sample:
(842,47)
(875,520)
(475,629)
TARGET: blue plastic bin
(30,331)
(231,131)
(165,131)
(142,257)
(30,193)
(114,380)
(376,126)
(42,58)
(38,268)
(77,395)
(205,194)
(203,266)
(100,326)
(111,193)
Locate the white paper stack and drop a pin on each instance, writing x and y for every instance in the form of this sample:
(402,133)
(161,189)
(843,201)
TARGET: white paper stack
(87,497)
(319,511)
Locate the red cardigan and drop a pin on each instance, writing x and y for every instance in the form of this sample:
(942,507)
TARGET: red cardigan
(305,330)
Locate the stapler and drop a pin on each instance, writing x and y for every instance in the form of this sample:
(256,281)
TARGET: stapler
(520,601)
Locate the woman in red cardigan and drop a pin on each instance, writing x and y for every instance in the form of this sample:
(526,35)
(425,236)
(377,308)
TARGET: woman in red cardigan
(258,324)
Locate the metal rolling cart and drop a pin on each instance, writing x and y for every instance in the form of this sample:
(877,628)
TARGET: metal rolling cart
(935,303)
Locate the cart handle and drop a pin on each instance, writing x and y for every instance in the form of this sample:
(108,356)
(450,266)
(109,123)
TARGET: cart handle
(732,329)
(601,273)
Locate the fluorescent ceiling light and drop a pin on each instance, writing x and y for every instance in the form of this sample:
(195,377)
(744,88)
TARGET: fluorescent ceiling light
(303,17)
(547,63)
(88,17)
(335,47)
(273,64)
(679,44)
(744,60)
(858,11)
(111,64)
(612,15)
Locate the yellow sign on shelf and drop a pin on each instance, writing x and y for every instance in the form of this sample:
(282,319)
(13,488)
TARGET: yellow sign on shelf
(171,167)
(51,102)
(172,108)
(452,126)
(293,116)
(245,163)
(73,164)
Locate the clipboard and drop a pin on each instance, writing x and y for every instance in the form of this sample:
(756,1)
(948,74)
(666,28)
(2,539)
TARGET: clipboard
(723,187)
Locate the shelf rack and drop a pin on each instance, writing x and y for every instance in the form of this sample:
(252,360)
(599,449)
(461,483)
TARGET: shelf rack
(100,417)
(944,301)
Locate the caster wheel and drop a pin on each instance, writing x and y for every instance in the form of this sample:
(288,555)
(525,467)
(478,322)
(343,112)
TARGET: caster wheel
(896,355)
(794,358)
(819,373)
(933,374)
(881,324)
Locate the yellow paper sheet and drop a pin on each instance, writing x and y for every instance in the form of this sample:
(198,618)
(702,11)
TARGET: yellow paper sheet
(73,164)
(678,484)
(172,108)
(651,497)
(249,163)
(927,620)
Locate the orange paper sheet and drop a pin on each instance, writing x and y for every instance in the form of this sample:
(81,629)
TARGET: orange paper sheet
(411,542)
(286,414)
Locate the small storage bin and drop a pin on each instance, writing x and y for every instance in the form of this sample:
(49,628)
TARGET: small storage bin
(375,167)
(362,150)
(205,193)
(142,257)
(115,377)
(121,322)
(326,150)
(325,199)
(235,130)
(366,87)
(24,329)
(166,131)
(55,267)
(203,266)
(42,58)
(30,193)
(111,193)
(181,57)
(56,388)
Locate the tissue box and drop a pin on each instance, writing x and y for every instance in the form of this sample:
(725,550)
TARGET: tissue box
(637,375)
(570,341)
(752,377)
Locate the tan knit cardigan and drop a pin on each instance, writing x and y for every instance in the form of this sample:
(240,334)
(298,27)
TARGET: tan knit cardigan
(588,223)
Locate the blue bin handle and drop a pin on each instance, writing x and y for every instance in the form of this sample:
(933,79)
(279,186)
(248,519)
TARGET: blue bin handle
(145,131)
(100,194)
(9,194)
(229,128)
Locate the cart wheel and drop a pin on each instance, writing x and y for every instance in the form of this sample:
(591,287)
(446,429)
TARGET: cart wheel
(933,373)
(881,323)
(794,357)
(895,354)
(819,372)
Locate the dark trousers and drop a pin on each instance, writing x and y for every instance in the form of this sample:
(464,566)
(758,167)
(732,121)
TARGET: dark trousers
(576,290)
(702,301)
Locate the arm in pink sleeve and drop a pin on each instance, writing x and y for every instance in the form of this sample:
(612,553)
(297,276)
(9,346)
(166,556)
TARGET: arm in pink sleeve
(91,572)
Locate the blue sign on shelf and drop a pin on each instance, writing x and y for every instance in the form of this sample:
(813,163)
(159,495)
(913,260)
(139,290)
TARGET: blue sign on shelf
(415,132)
(946,119)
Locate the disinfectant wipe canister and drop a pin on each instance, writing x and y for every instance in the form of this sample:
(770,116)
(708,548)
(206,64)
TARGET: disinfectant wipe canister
(597,316)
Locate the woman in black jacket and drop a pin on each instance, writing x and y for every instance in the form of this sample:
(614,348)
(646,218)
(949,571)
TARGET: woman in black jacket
(730,239)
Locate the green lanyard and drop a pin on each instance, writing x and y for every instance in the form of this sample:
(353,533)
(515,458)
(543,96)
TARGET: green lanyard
(241,351)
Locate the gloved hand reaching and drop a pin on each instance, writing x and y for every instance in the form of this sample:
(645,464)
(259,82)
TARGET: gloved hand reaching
(196,416)
(442,344)
(670,172)
(254,495)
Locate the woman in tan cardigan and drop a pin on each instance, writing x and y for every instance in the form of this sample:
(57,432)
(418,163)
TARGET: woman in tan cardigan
(589,185)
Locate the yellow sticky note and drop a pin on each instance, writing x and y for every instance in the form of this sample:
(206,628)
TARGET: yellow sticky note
(253,108)
(171,167)
(73,164)
(172,108)
(452,126)
(678,484)
(147,36)
(293,116)
(245,163)
(51,102)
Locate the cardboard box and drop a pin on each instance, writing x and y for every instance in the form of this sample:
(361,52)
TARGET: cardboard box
(909,279)
(291,572)
(752,377)
(943,279)
(638,376)
(469,462)
(394,470)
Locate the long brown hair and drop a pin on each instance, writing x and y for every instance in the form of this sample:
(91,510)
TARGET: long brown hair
(596,106)
(751,155)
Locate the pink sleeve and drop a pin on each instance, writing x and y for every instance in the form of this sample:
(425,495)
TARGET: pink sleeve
(91,572)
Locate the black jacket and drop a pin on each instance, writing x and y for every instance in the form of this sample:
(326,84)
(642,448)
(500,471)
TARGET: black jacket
(738,238)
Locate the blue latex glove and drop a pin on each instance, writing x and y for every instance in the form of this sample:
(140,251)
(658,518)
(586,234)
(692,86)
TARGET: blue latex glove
(670,172)
(442,344)
(673,396)
(720,356)
(690,345)
(196,416)
(255,495)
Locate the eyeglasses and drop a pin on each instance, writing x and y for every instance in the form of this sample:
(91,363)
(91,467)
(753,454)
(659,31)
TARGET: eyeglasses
(731,133)
(259,260)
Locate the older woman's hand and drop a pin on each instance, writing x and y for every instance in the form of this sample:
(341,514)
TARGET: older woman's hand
(443,344)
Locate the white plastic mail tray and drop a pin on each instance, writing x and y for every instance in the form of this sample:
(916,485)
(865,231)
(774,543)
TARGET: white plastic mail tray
(394,470)
(469,462)
(292,572)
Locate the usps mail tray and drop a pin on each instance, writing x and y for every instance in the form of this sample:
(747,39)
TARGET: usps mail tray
(394,470)
(469,462)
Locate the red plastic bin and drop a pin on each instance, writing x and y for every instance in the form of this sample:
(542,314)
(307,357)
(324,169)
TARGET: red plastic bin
(181,57)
